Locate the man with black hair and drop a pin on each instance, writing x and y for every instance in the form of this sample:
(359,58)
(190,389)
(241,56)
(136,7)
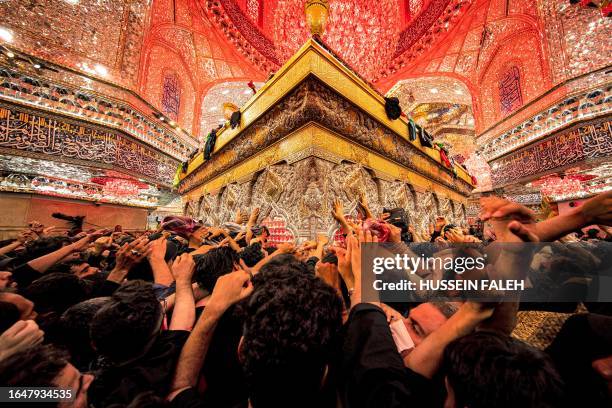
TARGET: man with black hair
(46,366)
(213,264)
(23,305)
(55,292)
(252,254)
(422,319)
(52,294)
(291,328)
(78,267)
(9,315)
(488,369)
(26,273)
(74,327)
(74,221)
(135,355)
(42,246)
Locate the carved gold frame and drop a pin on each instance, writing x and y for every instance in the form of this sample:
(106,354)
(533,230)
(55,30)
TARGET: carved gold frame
(315,140)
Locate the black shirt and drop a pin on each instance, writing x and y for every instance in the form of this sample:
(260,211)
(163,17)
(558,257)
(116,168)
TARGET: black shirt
(152,372)
(24,274)
(225,383)
(373,373)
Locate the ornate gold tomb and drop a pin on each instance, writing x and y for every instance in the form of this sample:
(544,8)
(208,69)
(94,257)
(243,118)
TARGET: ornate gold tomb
(315,131)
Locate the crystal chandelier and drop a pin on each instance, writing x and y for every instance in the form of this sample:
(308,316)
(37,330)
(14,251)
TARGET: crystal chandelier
(364,33)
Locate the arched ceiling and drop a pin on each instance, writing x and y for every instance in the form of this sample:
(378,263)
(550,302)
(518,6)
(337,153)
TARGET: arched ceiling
(376,38)
(224,39)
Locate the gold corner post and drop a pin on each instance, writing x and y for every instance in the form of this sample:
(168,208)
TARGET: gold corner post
(317,12)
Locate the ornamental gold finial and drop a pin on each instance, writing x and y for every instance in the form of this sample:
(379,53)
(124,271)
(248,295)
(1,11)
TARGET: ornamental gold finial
(316,15)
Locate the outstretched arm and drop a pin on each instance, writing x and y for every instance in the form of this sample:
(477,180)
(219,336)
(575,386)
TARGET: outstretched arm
(251,224)
(363,203)
(596,210)
(156,257)
(183,315)
(228,290)
(317,251)
(46,261)
(426,358)
(284,248)
(338,214)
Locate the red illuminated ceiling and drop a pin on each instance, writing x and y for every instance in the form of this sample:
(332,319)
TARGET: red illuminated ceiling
(375,37)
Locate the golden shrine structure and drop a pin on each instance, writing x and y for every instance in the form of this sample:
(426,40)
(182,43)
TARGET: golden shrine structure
(316,131)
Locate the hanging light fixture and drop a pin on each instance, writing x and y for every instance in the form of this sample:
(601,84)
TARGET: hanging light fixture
(317,12)
(363,33)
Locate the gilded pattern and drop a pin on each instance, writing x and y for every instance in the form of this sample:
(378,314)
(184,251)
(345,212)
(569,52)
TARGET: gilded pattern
(579,143)
(302,193)
(29,132)
(313,101)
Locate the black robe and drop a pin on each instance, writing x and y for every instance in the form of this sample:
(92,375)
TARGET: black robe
(373,374)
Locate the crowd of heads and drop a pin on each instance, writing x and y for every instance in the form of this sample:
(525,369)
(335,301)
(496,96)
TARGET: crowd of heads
(191,314)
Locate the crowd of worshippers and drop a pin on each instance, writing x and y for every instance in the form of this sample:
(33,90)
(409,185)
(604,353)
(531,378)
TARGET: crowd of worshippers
(193,315)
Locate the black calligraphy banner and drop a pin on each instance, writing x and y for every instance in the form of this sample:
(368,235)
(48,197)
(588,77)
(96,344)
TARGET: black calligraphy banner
(60,138)
(577,144)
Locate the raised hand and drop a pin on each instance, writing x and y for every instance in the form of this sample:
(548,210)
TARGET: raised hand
(471,239)
(363,203)
(20,336)
(455,236)
(440,240)
(183,267)
(308,245)
(521,232)
(26,236)
(240,218)
(353,246)
(128,255)
(103,243)
(216,231)
(391,313)
(157,249)
(344,265)
(37,227)
(322,239)
(440,223)
(47,231)
(338,210)
(500,208)
(328,273)
(229,289)
(82,243)
(254,215)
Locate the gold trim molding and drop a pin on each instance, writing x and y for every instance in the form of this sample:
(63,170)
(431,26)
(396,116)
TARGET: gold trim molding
(314,140)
